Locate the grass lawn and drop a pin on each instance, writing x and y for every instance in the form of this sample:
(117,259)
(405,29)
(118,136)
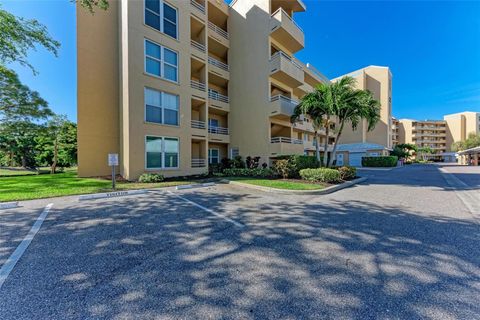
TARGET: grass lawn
(12,171)
(279,184)
(63,184)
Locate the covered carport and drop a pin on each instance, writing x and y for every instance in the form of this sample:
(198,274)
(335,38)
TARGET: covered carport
(470,157)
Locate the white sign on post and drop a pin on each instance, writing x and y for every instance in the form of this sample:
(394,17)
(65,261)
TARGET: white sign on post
(113,159)
(112,162)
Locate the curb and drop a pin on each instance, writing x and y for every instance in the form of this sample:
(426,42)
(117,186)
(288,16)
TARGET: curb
(8,205)
(113,194)
(194,186)
(328,190)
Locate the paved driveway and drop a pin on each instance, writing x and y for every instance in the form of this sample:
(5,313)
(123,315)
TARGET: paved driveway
(401,246)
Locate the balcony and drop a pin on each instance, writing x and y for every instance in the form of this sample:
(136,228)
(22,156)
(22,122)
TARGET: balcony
(218,100)
(219,68)
(199,87)
(303,89)
(282,107)
(198,7)
(284,30)
(199,163)
(286,70)
(218,34)
(219,134)
(286,145)
(197,46)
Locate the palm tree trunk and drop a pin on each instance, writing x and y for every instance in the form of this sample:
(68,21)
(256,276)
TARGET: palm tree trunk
(317,147)
(325,147)
(335,143)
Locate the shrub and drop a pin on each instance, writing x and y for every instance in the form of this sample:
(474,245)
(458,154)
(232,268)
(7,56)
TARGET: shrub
(321,175)
(254,173)
(283,168)
(304,162)
(226,163)
(384,161)
(264,165)
(252,163)
(150,178)
(295,164)
(347,173)
(237,162)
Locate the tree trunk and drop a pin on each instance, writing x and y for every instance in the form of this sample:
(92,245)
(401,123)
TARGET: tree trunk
(55,156)
(317,148)
(335,143)
(325,151)
(11,158)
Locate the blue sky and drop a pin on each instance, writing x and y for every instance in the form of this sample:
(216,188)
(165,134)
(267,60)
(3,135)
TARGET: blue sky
(432,48)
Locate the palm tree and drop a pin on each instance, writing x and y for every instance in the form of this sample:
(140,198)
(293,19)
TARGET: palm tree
(314,106)
(352,106)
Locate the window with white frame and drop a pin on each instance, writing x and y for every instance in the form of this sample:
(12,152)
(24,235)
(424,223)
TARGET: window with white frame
(213,156)
(161,61)
(161,107)
(161,152)
(162,16)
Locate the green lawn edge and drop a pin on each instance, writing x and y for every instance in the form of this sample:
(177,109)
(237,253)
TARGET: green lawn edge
(30,187)
(278,183)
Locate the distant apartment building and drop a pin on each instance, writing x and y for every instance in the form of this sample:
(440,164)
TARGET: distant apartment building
(395,131)
(174,86)
(355,144)
(439,135)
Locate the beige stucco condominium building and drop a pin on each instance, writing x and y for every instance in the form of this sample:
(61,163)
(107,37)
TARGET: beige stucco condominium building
(173,86)
(439,135)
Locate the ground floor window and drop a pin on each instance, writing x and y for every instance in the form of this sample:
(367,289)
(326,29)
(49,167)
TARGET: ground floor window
(161,152)
(213,156)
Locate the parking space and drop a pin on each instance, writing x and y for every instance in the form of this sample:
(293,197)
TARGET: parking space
(376,250)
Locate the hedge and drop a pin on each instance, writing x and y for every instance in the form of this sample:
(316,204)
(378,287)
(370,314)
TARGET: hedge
(295,164)
(383,161)
(321,175)
(254,173)
(151,178)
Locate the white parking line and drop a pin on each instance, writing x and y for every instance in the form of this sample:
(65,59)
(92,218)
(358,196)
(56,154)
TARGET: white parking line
(238,224)
(20,250)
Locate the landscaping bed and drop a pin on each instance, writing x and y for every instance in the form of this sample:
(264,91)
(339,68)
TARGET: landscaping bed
(285,184)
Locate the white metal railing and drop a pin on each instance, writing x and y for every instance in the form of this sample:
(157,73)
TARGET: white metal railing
(217,63)
(283,98)
(197,124)
(197,85)
(280,10)
(199,163)
(218,30)
(317,73)
(197,5)
(217,96)
(285,140)
(281,54)
(197,45)
(218,130)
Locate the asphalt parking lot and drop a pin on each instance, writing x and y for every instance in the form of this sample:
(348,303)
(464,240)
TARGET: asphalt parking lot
(402,245)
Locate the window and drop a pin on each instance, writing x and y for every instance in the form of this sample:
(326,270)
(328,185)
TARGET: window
(213,123)
(161,107)
(160,61)
(213,156)
(161,152)
(161,16)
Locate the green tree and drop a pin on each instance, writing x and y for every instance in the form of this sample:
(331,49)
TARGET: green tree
(424,151)
(17,37)
(351,106)
(18,140)
(56,143)
(92,4)
(408,149)
(472,141)
(314,106)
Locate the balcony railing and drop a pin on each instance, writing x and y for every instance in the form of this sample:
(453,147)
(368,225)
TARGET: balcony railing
(280,11)
(197,85)
(284,99)
(218,130)
(317,73)
(280,54)
(197,45)
(217,96)
(218,30)
(197,124)
(199,163)
(198,6)
(285,140)
(217,63)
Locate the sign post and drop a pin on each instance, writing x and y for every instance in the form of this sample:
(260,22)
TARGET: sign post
(112,162)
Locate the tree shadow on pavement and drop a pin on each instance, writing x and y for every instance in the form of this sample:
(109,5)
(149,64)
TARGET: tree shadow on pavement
(160,257)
